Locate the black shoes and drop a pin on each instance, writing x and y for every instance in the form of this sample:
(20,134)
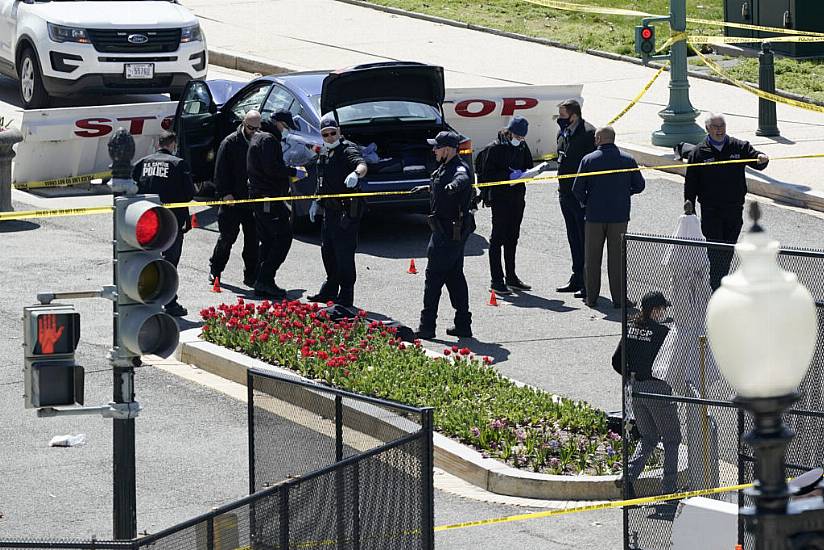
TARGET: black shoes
(517,284)
(500,288)
(462,332)
(212,277)
(269,291)
(176,310)
(582,294)
(320,297)
(425,333)
(569,287)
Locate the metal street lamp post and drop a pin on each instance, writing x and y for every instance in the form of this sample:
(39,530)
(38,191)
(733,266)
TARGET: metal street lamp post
(762,328)
(679,115)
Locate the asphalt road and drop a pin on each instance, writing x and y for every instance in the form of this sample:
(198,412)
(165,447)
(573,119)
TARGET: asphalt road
(191,440)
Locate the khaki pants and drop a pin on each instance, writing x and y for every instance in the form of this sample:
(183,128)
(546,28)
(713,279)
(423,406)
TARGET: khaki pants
(594,236)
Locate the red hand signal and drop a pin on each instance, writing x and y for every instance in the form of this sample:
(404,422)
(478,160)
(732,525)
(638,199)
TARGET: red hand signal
(48,333)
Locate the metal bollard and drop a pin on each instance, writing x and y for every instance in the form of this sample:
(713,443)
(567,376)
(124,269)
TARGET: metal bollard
(7,140)
(767,118)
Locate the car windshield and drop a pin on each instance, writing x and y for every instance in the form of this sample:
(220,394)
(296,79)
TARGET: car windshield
(384,111)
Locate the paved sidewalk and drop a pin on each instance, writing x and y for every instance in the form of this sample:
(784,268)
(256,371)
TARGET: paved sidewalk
(318,34)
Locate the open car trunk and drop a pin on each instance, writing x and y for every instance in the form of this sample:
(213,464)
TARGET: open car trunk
(396,154)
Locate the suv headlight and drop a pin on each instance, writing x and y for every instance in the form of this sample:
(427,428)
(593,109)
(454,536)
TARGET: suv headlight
(191,34)
(59,33)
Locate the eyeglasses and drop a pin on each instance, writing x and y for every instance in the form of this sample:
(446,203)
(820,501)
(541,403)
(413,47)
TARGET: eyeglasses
(718,126)
(252,128)
(329,134)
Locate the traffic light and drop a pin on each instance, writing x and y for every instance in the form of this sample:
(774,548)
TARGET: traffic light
(645,40)
(50,336)
(145,281)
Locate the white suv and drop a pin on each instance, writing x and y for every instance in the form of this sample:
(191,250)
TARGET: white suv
(59,48)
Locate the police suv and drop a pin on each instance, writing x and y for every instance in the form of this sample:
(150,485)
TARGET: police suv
(60,48)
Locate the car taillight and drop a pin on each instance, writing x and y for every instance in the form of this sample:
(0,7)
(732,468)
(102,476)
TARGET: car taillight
(465,148)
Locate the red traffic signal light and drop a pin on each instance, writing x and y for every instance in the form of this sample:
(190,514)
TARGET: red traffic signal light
(147,227)
(646,33)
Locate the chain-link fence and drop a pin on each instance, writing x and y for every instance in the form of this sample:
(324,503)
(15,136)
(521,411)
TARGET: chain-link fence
(328,469)
(689,404)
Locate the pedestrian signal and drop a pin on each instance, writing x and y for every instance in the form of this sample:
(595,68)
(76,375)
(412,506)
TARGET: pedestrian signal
(645,40)
(50,336)
(145,281)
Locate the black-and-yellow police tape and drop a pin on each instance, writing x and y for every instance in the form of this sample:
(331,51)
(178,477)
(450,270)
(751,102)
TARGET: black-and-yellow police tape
(752,89)
(63,182)
(592,507)
(638,97)
(540,178)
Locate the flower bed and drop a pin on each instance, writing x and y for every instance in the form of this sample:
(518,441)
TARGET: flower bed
(522,426)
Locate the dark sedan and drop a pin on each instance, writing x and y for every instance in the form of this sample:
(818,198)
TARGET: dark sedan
(390,109)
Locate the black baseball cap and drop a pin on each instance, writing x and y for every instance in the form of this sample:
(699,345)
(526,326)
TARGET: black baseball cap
(445,139)
(654,299)
(284,116)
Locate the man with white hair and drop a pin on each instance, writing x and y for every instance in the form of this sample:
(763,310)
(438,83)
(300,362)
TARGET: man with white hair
(720,188)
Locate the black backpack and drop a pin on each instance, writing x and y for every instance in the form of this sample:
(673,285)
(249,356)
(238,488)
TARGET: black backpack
(480,162)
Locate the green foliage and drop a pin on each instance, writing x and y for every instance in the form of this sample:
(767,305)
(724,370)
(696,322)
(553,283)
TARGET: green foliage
(526,427)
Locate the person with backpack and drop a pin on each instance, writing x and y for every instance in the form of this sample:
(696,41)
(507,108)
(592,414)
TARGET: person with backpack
(506,158)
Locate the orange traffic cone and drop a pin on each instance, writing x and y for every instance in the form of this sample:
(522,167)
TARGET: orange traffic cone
(493,300)
(412,269)
(739,547)
(216,286)
(194,223)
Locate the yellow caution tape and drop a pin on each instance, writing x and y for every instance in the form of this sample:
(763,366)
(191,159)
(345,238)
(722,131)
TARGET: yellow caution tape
(638,97)
(592,507)
(753,90)
(63,182)
(777,30)
(29,214)
(571,6)
(699,39)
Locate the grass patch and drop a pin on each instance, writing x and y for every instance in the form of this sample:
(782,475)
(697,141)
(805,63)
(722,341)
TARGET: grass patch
(610,33)
(525,427)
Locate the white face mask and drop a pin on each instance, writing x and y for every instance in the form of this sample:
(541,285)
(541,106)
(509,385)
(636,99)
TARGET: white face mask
(515,142)
(284,131)
(329,146)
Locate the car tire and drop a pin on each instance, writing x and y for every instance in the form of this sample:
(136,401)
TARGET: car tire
(33,94)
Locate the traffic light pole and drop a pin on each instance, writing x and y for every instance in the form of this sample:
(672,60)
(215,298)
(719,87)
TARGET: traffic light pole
(124,493)
(679,115)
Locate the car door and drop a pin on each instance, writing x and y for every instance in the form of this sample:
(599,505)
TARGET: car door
(195,128)
(8,26)
(250,97)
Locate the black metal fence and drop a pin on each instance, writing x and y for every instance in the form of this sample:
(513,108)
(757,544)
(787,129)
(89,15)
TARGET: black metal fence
(710,452)
(328,469)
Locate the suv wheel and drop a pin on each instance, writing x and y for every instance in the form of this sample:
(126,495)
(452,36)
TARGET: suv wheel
(32,93)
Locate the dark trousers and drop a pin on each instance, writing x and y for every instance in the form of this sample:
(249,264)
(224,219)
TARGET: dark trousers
(507,214)
(229,221)
(338,242)
(275,233)
(573,214)
(596,235)
(657,420)
(721,225)
(445,261)
(172,255)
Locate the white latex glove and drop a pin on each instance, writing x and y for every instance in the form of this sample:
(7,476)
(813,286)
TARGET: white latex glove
(351,180)
(315,210)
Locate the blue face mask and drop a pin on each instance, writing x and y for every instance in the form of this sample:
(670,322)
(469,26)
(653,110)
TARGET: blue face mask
(515,142)
(563,123)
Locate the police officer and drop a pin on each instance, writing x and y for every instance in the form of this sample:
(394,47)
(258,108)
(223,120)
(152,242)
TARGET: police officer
(452,222)
(170,177)
(720,189)
(340,166)
(576,139)
(231,183)
(269,177)
(508,159)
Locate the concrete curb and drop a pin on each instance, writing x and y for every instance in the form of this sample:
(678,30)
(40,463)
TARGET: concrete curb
(451,456)
(757,183)
(244,62)
(555,44)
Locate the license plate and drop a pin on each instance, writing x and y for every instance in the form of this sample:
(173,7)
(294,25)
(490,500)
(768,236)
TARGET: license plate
(139,71)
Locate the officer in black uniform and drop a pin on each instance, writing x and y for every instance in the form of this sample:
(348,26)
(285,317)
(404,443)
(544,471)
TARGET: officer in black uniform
(721,189)
(231,184)
(269,177)
(451,221)
(340,166)
(164,174)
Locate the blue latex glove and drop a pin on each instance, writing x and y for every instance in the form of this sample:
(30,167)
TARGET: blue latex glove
(314,211)
(351,180)
(516,174)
